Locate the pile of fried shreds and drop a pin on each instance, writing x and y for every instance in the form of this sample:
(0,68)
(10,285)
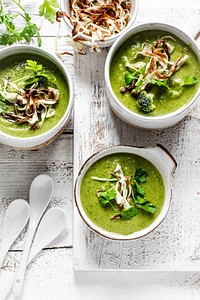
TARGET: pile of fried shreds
(154,67)
(98,19)
(30,98)
(127,195)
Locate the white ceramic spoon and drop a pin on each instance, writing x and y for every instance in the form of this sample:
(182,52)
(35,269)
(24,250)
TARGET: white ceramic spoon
(41,192)
(51,225)
(16,217)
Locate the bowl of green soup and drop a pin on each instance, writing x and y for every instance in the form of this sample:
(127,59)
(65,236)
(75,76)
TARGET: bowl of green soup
(36,97)
(152,75)
(124,192)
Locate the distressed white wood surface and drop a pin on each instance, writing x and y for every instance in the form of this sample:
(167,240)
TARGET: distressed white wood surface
(51,275)
(20,167)
(55,279)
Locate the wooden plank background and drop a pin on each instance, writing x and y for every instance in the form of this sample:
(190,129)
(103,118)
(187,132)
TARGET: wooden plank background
(51,275)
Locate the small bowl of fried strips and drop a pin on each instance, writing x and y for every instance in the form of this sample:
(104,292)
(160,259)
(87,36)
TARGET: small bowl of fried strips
(96,24)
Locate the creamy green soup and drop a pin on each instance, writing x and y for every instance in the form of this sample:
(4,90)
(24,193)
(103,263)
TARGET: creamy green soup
(13,67)
(101,216)
(166,100)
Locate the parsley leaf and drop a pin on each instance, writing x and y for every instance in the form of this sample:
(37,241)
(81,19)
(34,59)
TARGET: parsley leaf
(189,80)
(139,188)
(106,198)
(161,83)
(138,198)
(38,76)
(48,10)
(129,77)
(27,17)
(29,31)
(33,65)
(141,175)
(9,39)
(129,213)
(144,204)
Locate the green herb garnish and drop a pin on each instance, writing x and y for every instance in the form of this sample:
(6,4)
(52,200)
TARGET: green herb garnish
(161,83)
(106,197)
(13,34)
(139,188)
(33,65)
(38,75)
(128,194)
(189,80)
(129,213)
(140,175)
(29,30)
(139,192)
(144,204)
(48,10)
(129,76)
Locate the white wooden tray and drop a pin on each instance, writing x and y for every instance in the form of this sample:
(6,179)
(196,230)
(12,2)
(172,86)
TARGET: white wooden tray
(175,244)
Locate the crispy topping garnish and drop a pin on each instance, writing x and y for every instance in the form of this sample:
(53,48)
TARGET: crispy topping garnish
(31,105)
(158,67)
(122,188)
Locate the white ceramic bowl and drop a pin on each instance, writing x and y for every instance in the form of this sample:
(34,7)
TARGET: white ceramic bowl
(132,118)
(47,137)
(159,157)
(110,40)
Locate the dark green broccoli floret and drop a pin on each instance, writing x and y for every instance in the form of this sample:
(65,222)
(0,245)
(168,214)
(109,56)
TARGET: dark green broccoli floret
(145,102)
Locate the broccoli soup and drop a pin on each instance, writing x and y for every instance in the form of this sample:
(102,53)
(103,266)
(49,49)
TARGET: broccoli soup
(154,73)
(122,193)
(34,95)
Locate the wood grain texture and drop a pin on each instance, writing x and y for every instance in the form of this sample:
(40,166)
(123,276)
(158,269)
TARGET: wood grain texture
(51,276)
(54,279)
(175,244)
(18,169)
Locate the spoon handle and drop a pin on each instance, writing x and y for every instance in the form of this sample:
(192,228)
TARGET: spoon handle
(7,284)
(19,279)
(3,253)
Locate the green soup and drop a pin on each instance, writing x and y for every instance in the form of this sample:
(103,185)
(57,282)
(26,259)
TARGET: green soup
(14,67)
(164,101)
(101,216)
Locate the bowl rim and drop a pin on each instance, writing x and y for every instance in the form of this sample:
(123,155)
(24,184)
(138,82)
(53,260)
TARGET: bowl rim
(119,42)
(14,50)
(109,151)
(112,38)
